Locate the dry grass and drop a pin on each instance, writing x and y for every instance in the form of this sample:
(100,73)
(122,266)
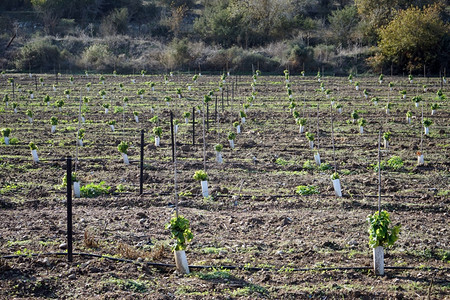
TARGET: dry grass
(89,240)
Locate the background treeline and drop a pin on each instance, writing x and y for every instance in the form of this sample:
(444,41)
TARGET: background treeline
(338,37)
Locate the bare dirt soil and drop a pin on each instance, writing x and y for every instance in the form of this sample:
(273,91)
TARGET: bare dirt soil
(263,239)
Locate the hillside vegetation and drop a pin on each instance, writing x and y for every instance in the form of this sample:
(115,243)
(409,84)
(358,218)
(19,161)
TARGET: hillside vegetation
(337,37)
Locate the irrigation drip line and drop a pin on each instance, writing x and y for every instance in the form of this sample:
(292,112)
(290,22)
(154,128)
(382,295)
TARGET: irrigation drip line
(226,267)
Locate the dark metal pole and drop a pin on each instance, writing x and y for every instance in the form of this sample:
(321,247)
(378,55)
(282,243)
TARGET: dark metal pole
(215,109)
(141,175)
(35,81)
(171,133)
(69,209)
(193,126)
(207,116)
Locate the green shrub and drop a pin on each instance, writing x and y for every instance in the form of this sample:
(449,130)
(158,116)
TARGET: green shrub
(93,190)
(306,190)
(39,54)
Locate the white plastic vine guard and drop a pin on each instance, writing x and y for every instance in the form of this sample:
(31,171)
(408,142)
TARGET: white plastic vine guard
(6,140)
(204,184)
(35,156)
(231,143)
(136,118)
(317,158)
(157,141)
(219,158)
(420,159)
(427,130)
(112,127)
(80,142)
(76,189)
(378,260)
(311,144)
(238,129)
(181,262)
(53,128)
(125,158)
(243,120)
(337,187)
(176,129)
(361,129)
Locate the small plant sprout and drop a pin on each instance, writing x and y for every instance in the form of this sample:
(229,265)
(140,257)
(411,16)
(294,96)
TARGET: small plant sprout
(141,92)
(88,86)
(391,86)
(417,100)
(318,76)
(102,93)
(357,85)
(152,86)
(381,234)
(350,78)
(179,229)
(339,108)
(310,137)
(245,106)
(388,107)
(355,116)
(15,106)
(176,123)
(408,117)
(333,100)
(322,87)
(143,72)
(6,99)
(201,176)
(207,99)
(186,116)
(362,122)
(59,104)
(29,114)
(223,77)
(440,95)
(434,107)
(154,119)
(67,93)
(33,149)
(380,78)
(106,107)
(114,73)
(375,100)
(11,81)
(102,79)
(125,101)
(301,122)
(31,94)
(425,88)
(167,99)
(218,149)
(292,105)
(296,115)
(243,115)
(258,72)
(220,86)
(237,126)
(386,138)
(86,100)
(54,122)
(194,78)
(55,86)
(410,78)
(111,124)
(426,124)
(403,93)
(231,138)
(123,148)
(366,94)
(336,184)
(5,133)
(302,73)
(120,86)
(328,93)
(179,92)
(157,131)
(71,79)
(166,79)
(136,116)
(41,80)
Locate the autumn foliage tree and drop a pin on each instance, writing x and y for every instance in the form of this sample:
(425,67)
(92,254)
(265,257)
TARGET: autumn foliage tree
(414,38)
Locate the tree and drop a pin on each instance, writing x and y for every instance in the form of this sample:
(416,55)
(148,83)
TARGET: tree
(414,38)
(343,23)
